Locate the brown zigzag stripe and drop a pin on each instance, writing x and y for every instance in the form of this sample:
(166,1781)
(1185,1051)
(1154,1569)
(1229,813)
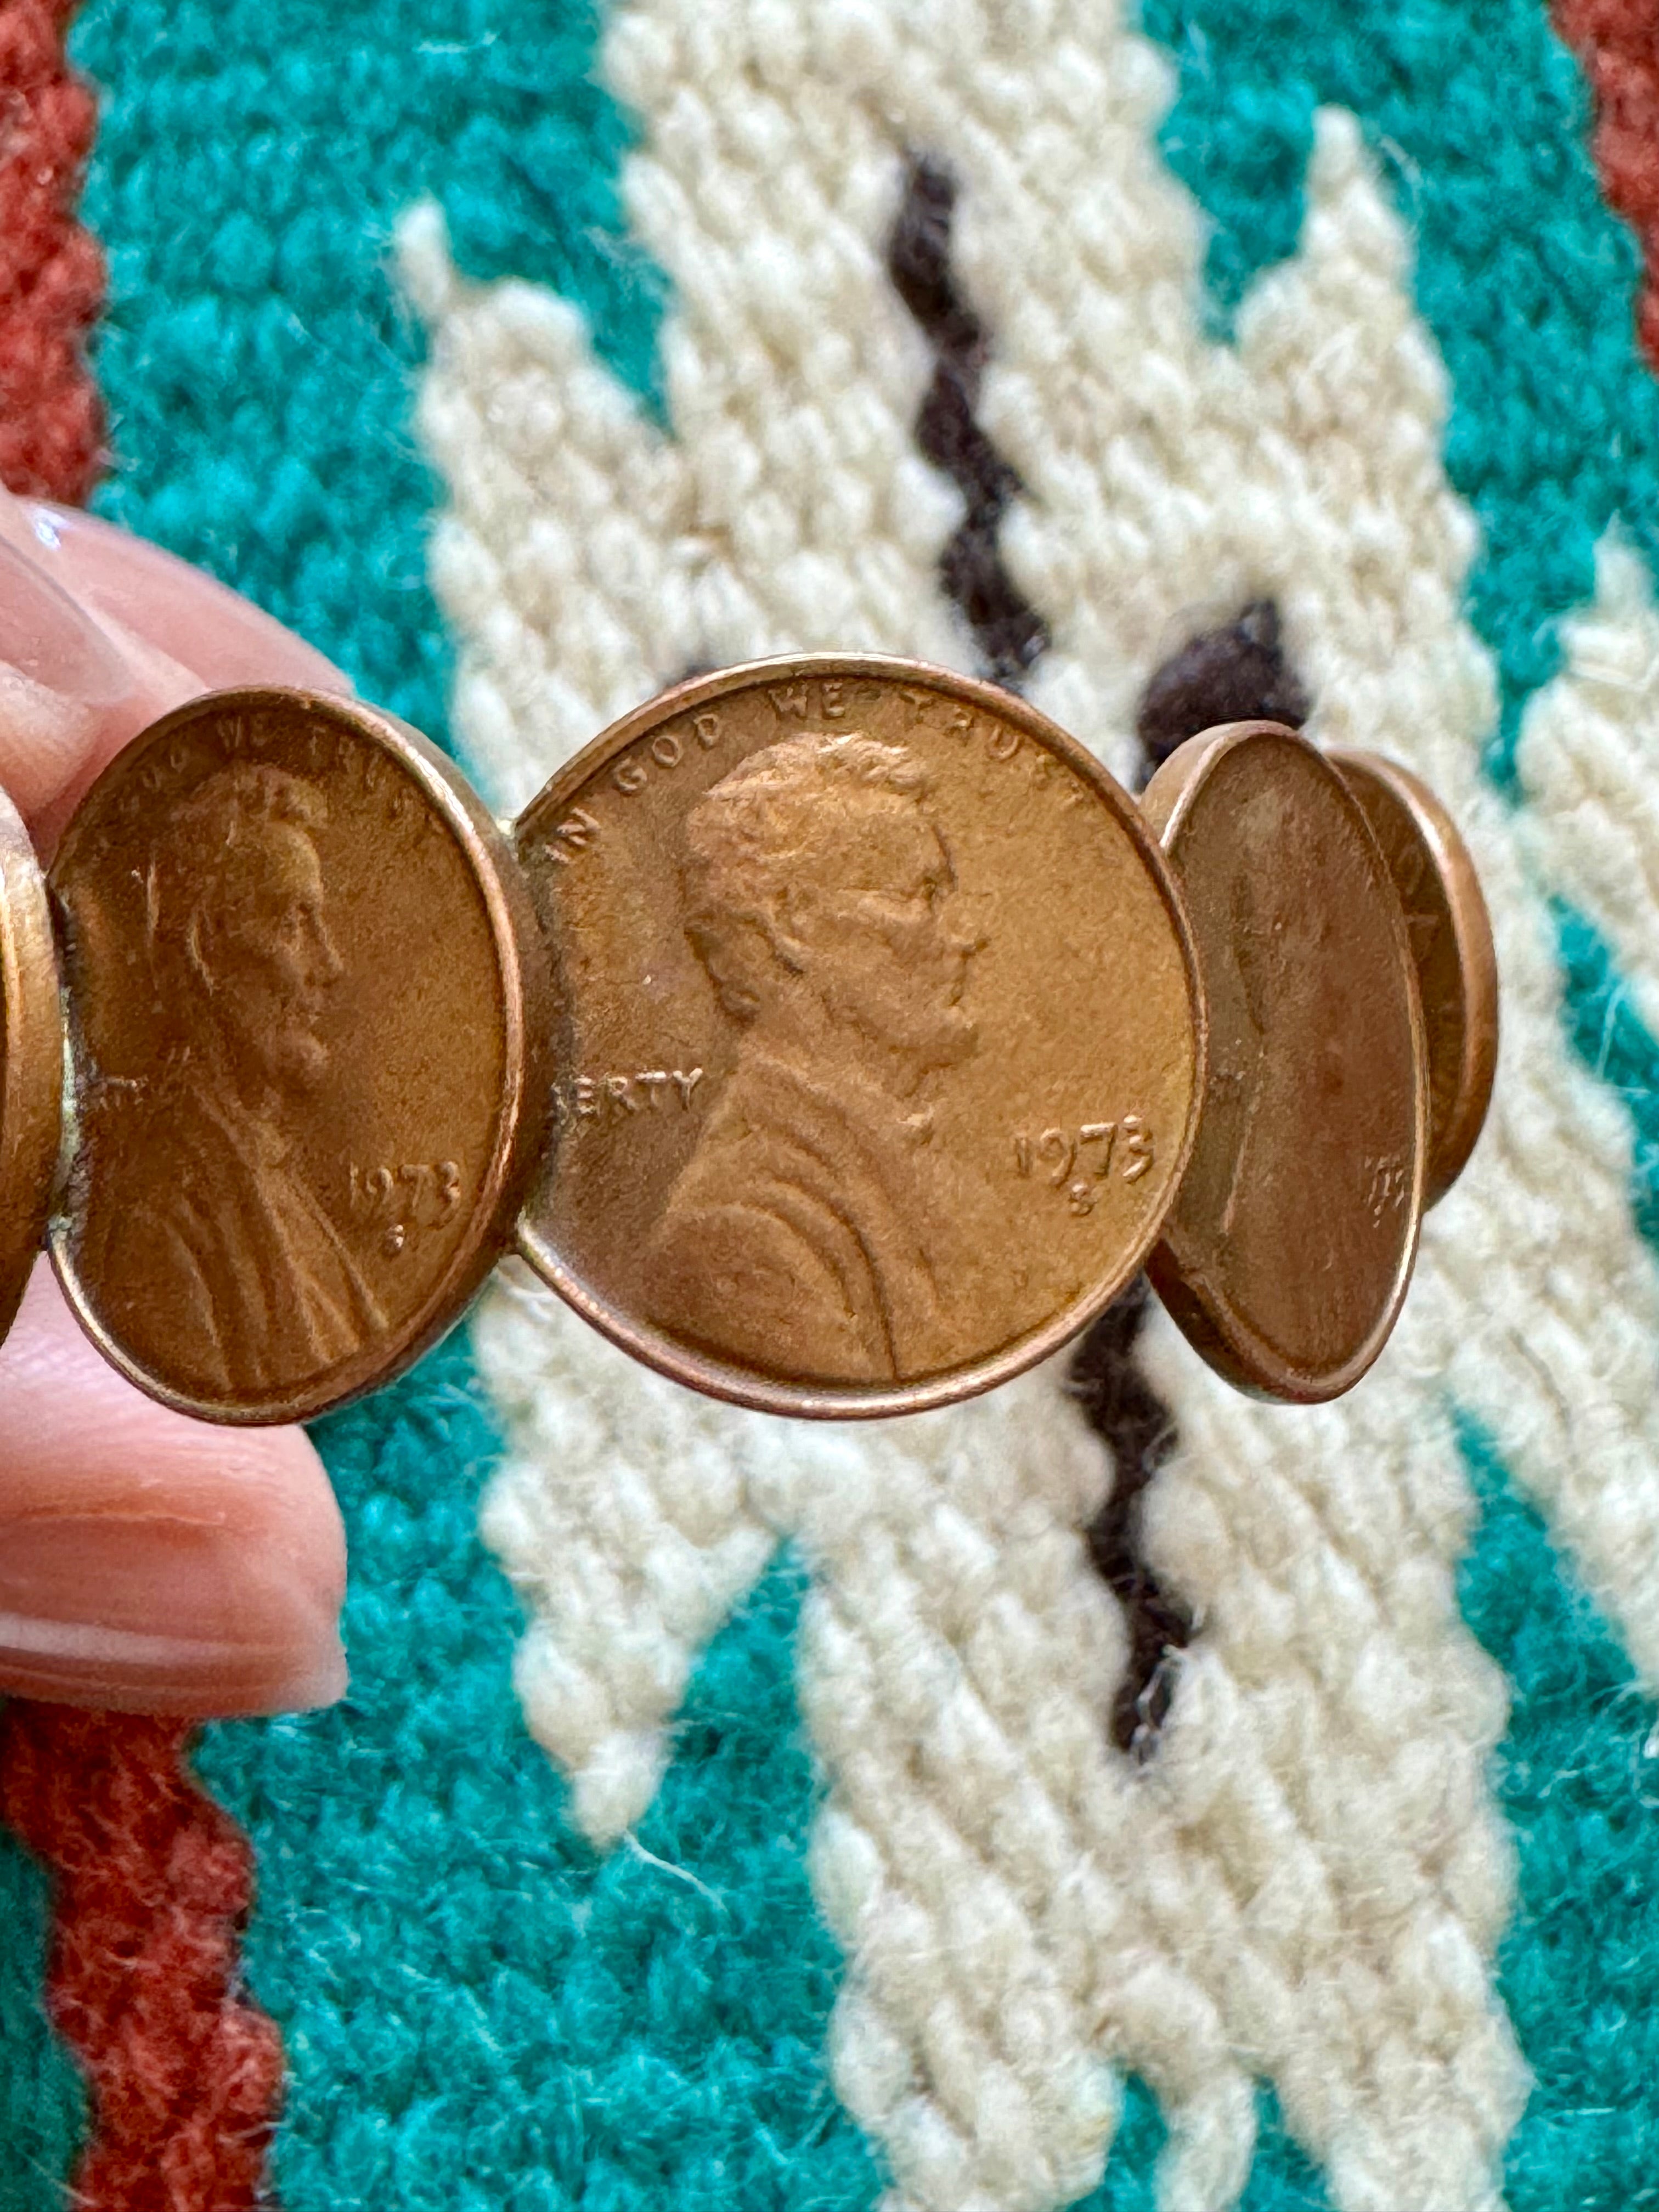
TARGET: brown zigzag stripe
(1617,43)
(153,1883)
(1137,1429)
(1008,629)
(1223,675)
(1229,674)
(51,274)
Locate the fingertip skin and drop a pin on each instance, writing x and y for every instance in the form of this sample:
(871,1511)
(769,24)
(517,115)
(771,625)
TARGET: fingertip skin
(148,1563)
(101,634)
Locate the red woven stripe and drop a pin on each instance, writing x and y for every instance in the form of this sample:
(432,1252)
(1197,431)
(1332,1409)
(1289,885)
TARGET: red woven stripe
(51,274)
(1617,43)
(153,1882)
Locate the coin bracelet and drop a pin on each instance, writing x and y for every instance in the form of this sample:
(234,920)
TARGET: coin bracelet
(833,1032)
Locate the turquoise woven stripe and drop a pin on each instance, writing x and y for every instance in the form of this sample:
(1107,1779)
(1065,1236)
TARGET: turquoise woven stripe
(481,2015)
(42,2102)
(1578,1778)
(1528,282)
(253,157)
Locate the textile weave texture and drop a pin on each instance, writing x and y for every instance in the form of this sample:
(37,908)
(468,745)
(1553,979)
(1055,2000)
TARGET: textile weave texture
(1113,1793)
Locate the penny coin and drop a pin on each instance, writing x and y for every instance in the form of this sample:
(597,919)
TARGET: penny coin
(881,1043)
(1290,1245)
(1450,937)
(31,1059)
(309,1038)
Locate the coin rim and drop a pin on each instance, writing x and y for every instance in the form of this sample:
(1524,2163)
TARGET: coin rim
(1212,1324)
(523,1101)
(718,1378)
(1477,955)
(32,1050)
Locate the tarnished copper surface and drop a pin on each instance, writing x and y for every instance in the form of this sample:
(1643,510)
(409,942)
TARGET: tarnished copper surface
(309,1036)
(880,1043)
(31,1059)
(1451,937)
(1290,1245)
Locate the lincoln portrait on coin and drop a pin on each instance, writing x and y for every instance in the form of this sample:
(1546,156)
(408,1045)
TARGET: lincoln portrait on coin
(805,1233)
(219,1238)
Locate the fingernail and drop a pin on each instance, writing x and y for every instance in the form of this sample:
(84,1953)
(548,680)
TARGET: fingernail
(60,678)
(161,1615)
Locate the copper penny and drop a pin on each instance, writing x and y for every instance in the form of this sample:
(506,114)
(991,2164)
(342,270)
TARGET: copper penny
(31,1059)
(880,1045)
(309,1038)
(1290,1245)
(1451,937)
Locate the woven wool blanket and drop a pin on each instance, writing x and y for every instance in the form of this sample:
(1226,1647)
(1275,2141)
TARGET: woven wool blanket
(1112,1793)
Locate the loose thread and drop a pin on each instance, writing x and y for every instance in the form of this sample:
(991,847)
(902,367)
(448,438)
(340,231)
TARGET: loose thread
(152,1883)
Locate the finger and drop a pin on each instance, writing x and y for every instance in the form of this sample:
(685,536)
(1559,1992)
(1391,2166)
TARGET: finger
(178,612)
(147,1562)
(99,633)
(150,1563)
(63,689)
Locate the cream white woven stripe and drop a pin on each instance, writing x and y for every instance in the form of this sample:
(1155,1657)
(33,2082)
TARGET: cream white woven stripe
(1313,476)
(981,1850)
(1589,761)
(1308,1882)
(626,1513)
(587,560)
(1172,475)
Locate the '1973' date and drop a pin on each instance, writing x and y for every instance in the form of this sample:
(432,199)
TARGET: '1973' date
(1077,1161)
(399,1202)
